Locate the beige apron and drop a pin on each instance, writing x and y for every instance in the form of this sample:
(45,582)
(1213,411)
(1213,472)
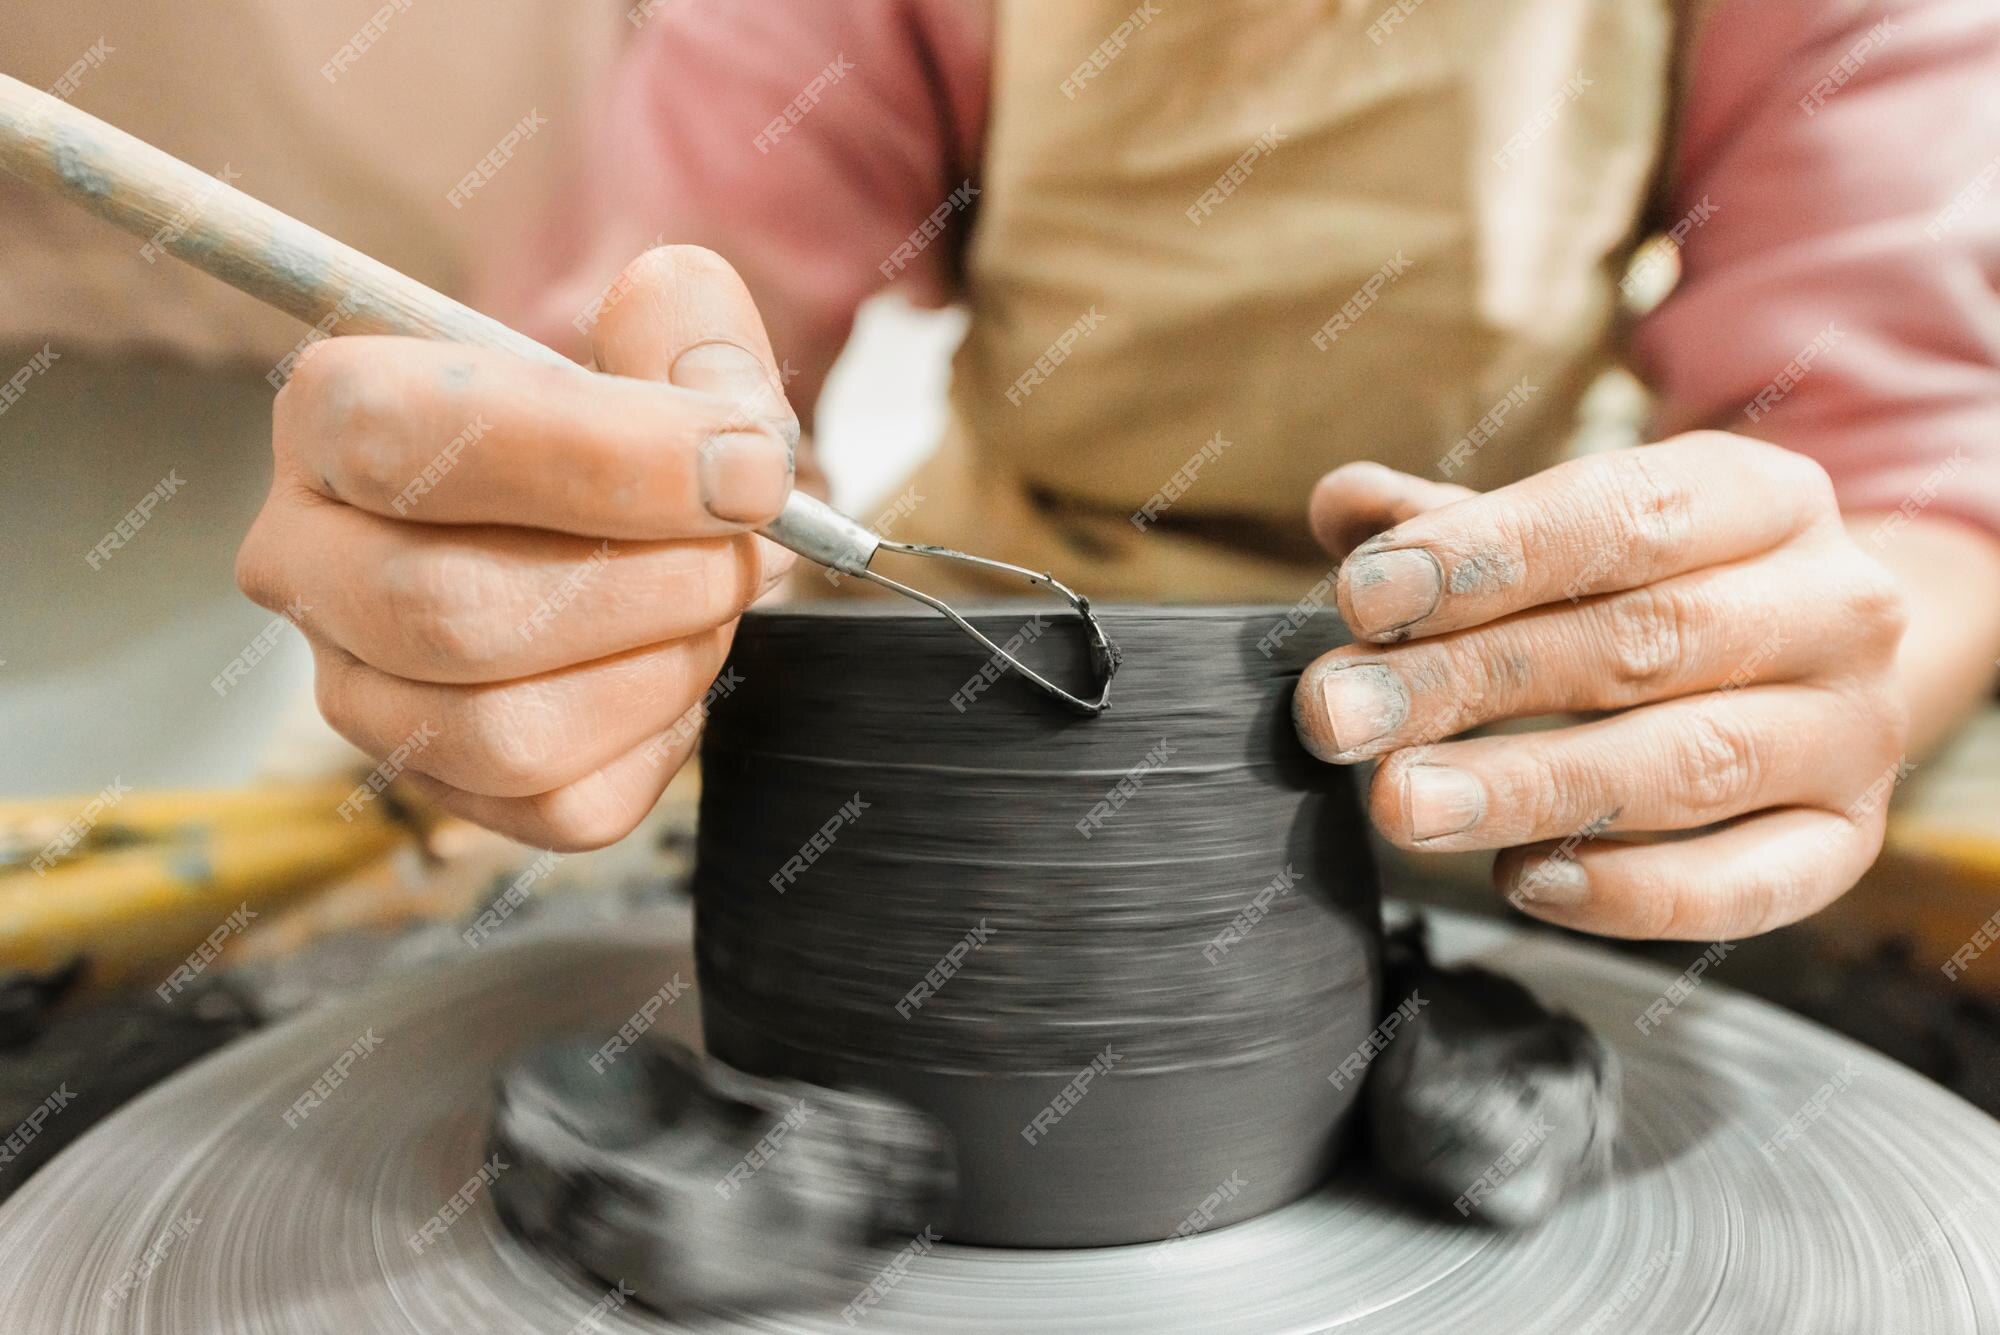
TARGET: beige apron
(1256,239)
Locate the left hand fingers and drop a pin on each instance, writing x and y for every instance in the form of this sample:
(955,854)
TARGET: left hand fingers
(1591,525)
(1672,766)
(1745,878)
(1724,627)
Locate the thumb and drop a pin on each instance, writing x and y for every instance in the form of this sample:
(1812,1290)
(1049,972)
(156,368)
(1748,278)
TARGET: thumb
(1356,501)
(681,314)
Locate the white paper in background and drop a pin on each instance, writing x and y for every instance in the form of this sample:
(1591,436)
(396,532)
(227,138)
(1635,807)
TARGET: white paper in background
(883,412)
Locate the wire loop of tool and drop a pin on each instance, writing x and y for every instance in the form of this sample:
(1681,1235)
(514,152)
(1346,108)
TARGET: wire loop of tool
(820,533)
(1104,654)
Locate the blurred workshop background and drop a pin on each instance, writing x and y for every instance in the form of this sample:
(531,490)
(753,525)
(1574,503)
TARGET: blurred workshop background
(168,793)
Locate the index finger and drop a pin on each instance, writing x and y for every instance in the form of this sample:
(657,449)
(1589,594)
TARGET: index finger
(452,435)
(1593,525)
(439,434)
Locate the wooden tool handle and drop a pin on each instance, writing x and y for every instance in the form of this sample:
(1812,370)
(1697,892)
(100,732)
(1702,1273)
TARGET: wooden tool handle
(181,211)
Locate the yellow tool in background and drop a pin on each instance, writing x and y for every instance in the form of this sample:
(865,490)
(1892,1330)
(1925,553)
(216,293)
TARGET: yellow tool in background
(136,884)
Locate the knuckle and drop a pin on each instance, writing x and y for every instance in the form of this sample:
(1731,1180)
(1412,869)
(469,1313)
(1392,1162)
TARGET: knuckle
(1714,766)
(287,419)
(1465,683)
(436,601)
(1538,795)
(301,389)
(1438,687)
(1490,674)
(1654,506)
(1767,898)
(359,405)
(1663,904)
(1893,716)
(337,691)
(578,824)
(507,740)
(1681,913)
(1647,634)
(1881,728)
(1875,605)
(598,810)
(1804,477)
(258,574)
(1662,909)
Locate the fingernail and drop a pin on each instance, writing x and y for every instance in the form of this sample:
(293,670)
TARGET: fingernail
(1363,703)
(1441,800)
(726,371)
(1553,882)
(1392,589)
(745,476)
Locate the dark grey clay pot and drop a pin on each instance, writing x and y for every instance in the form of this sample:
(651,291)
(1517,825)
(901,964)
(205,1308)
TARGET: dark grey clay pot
(1117,957)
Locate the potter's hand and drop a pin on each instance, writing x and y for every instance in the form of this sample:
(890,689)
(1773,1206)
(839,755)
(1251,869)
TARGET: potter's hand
(519,580)
(1705,590)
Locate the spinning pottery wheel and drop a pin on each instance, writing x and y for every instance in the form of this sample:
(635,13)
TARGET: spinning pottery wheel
(1880,1216)
(333,1174)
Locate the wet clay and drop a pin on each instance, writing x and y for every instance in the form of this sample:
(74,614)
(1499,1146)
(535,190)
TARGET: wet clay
(1483,1101)
(1117,958)
(662,1172)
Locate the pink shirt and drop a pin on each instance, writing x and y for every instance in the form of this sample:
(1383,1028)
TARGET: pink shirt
(1862,211)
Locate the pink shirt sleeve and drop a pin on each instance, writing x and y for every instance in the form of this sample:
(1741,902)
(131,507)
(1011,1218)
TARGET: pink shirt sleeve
(1839,298)
(802,141)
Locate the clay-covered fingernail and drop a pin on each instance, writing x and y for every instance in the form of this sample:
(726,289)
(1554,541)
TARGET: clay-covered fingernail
(1389,590)
(1554,882)
(1441,800)
(1363,703)
(745,476)
(727,371)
